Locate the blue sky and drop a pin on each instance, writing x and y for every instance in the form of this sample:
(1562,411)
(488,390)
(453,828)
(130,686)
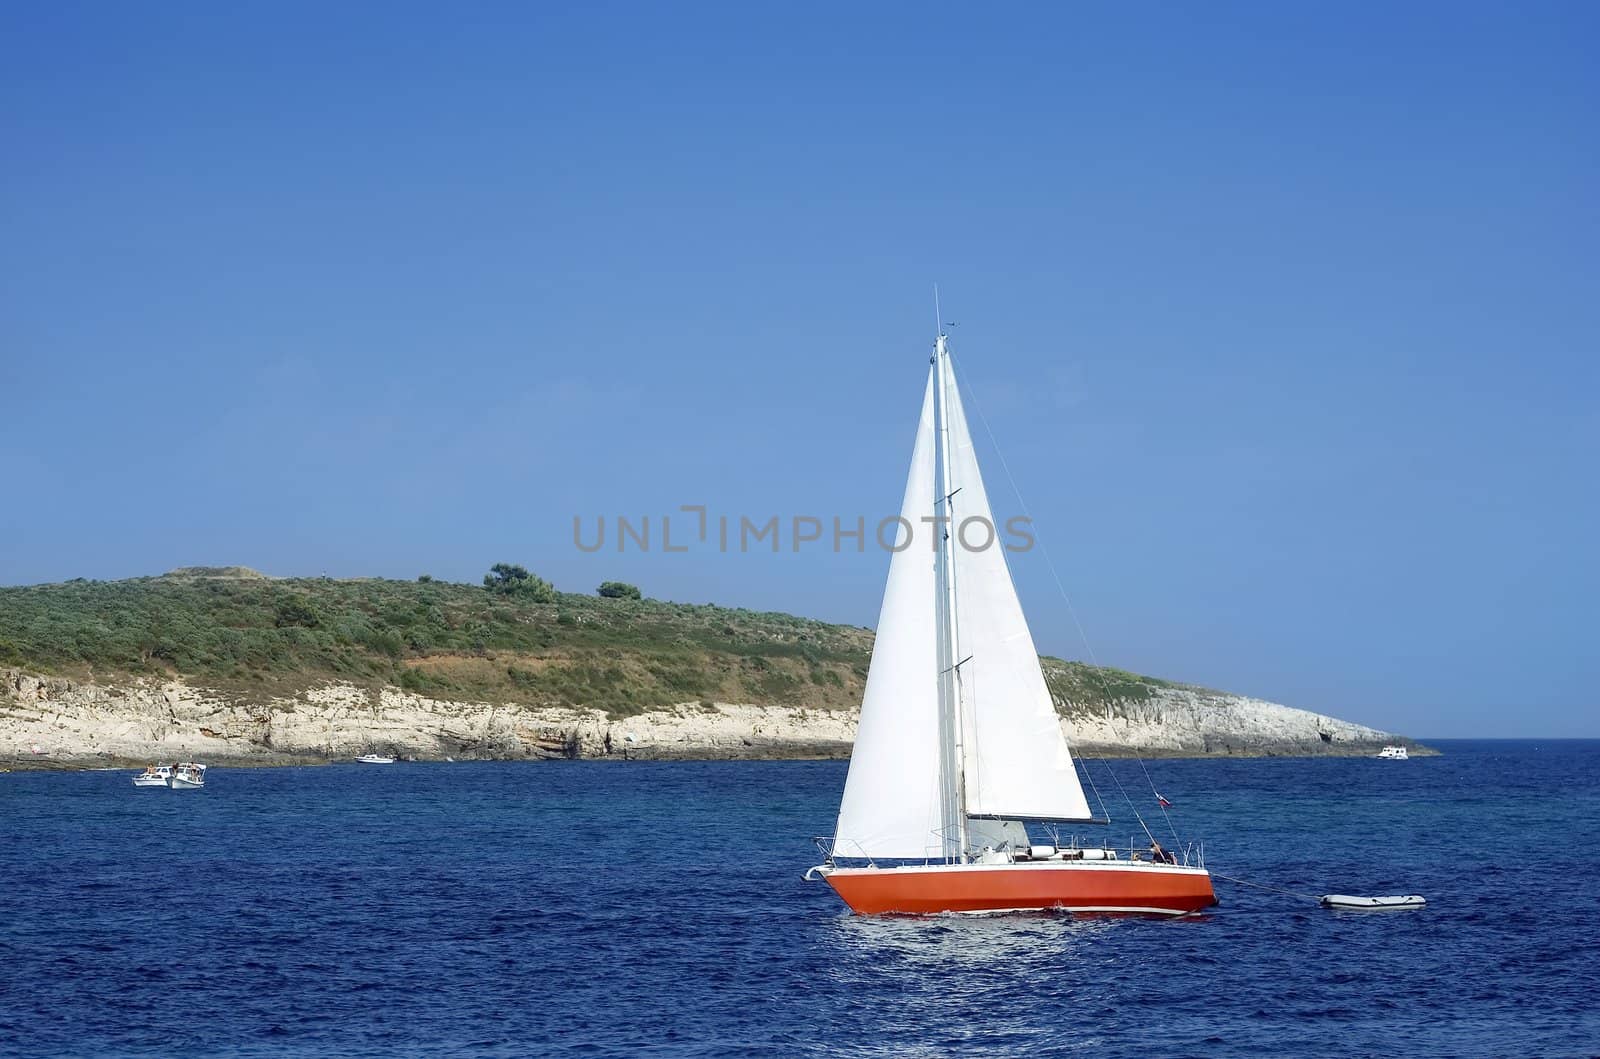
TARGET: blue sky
(1284,316)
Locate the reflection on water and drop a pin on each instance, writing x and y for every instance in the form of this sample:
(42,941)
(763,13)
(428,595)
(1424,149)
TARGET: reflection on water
(953,941)
(980,965)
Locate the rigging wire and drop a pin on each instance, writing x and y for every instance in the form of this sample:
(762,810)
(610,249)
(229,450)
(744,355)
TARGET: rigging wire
(1073,611)
(1104,812)
(1132,806)
(1161,802)
(1263,886)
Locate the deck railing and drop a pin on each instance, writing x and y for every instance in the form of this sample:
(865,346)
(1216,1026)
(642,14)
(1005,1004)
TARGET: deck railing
(1189,855)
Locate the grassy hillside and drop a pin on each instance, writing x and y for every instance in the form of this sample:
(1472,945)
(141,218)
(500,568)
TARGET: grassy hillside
(233,629)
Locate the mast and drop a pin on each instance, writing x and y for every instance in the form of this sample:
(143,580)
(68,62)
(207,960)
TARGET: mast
(951,692)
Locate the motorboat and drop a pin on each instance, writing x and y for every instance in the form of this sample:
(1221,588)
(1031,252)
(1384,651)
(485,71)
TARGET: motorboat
(188,776)
(153,776)
(1394,753)
(375,759)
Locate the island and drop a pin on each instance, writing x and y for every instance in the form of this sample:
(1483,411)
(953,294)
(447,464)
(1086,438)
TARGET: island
(227,665)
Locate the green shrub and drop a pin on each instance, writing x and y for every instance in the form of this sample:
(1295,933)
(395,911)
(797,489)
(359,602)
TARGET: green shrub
(509,580)
(414,680)
(296,610)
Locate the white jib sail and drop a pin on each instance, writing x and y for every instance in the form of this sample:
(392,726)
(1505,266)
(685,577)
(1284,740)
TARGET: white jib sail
(891,806)
(1015,757)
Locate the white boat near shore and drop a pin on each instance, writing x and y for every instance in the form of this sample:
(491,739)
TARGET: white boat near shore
(153,776)
(1394,753)
(375,759)
(189,775)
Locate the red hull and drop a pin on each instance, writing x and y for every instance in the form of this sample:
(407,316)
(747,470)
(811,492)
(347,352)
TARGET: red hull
(1128,888)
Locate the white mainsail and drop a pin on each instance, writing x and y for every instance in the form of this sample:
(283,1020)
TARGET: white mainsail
(892,796)
(1016,759)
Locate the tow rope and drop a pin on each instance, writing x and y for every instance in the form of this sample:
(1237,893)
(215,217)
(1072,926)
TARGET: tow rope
(1343,902)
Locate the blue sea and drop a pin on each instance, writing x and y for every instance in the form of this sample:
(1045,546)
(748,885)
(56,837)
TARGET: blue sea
(657,909)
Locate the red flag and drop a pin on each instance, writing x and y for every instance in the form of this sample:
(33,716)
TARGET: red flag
(1164,803)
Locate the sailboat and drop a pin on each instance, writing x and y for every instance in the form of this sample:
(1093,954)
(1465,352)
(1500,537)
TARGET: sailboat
(959,747)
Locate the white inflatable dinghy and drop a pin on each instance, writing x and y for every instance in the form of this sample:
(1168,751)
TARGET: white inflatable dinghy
(1372,903)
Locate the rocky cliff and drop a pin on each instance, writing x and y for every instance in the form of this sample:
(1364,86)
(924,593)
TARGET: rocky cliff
(57,722)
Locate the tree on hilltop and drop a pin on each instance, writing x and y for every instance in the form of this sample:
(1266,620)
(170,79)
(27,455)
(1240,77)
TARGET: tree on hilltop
(510,580)
(619,590)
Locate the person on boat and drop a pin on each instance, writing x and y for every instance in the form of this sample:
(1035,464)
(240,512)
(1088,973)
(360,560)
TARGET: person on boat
(1159,855)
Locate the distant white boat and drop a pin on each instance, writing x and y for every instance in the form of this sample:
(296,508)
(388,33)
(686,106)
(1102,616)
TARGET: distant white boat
(189,775)
(153,776)
(1394,753)
(375,759)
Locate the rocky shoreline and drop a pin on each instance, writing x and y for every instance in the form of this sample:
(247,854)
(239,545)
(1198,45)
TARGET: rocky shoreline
(51,722)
